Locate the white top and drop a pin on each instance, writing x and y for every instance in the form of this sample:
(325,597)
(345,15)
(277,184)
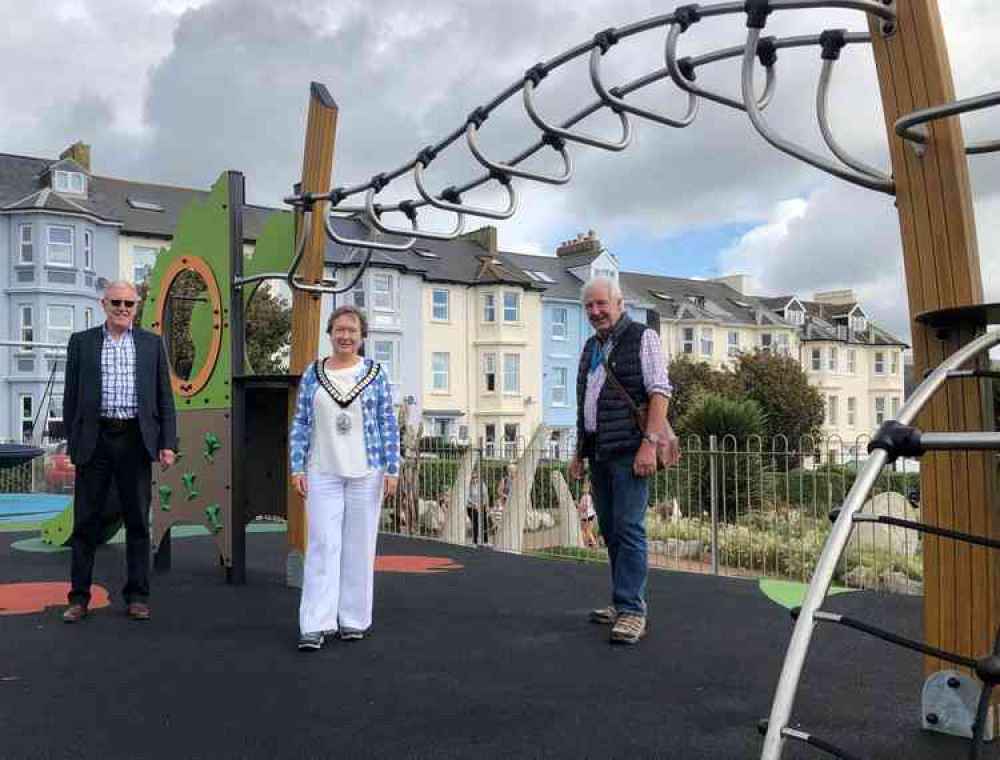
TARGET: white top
(334,450)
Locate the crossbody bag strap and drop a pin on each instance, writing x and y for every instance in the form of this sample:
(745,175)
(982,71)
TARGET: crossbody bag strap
(616,383)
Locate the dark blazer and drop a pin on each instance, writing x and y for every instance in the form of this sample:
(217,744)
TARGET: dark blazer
(82,394)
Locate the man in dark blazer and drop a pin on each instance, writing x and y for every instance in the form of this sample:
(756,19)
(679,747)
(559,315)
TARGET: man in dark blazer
(118,408)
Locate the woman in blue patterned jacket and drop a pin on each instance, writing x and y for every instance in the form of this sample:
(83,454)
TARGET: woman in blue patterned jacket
(345,456)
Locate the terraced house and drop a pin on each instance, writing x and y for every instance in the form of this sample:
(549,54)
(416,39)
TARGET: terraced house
(64,232)
(481,344)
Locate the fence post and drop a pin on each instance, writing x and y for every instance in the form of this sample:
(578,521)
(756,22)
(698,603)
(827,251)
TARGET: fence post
(713,484)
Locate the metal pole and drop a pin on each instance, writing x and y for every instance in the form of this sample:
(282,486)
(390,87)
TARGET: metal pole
(238,495)
(713,481)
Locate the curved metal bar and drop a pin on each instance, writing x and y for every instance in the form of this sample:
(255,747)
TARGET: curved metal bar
(463,208)
(670,56)
(874,7)
(907,126)
(813,159)
(616,103)
(823,116)
(568,134)
(372,244)
(472,135)
(826,566)
(373,216)
(300,248)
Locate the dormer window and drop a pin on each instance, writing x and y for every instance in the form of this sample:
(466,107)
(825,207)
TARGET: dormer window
(611,274)
(698,301)
(795,316)
(859,323)
(141,205)
(74,183)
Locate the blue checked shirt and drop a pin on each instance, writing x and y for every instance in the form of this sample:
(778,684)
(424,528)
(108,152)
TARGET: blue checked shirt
(118,394)
(381,429)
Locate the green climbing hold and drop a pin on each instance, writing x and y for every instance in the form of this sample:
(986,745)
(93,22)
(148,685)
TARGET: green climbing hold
(212,444)
(165,492)
(213,512)
(189,478)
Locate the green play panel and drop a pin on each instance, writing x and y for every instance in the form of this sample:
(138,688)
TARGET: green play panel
(791,594)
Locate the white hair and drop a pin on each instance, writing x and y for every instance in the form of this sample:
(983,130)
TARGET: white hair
(601,281)
(121,284)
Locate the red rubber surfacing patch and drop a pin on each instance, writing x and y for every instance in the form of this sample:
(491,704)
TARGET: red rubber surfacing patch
(405,563)
(29,598)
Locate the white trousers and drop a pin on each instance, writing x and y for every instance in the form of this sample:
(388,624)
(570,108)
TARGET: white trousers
(339,574)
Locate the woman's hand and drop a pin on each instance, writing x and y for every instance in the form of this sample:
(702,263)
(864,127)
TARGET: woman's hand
(391,484)
(299,484)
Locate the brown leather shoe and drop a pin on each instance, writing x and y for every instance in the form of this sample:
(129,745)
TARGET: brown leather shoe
(137,611)
(75,613)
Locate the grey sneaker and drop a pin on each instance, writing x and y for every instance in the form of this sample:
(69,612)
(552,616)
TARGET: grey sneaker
(351,634)
(604,615)
(311,641)
(628,629)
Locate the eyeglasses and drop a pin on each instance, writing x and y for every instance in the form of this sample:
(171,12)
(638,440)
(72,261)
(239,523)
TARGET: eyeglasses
(116,302)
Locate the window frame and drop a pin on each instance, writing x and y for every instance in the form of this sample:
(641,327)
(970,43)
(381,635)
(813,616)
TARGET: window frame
(816,360)
(376,293)
(435,316)
(26,420)
(23,245)
(392,370)
(707,338)
(489,308)
(832,359)
(88,250)
(26,331)
(687,344)
(732,346)
(877,411)
(517,306)
(852,361)
(564,386)
(66,308)
(50,259)
(516,391)
(852,410)
(445,373)
(879,362)
(560,323)
(490,358)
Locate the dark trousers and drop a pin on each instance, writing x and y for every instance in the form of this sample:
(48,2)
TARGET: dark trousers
(120,459)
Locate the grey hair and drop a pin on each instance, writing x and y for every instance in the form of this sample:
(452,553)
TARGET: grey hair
(121,284)
(601,281)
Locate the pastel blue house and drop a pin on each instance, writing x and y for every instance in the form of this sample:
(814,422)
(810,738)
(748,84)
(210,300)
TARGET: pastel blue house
(58,250)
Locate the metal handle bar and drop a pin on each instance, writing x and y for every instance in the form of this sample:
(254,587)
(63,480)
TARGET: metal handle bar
(909,127)
(374,216)
(823,116)
(464,208)
(472,135)
(370,244)
(616,103)
(569,134)
(804,154)
(826,566)
(670,56)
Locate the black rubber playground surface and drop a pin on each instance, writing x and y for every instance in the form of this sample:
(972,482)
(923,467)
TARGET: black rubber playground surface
(492,659)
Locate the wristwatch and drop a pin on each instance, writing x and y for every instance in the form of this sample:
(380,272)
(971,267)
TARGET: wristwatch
(654,438)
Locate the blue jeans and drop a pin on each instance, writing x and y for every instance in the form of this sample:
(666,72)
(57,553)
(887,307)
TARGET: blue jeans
(620,502)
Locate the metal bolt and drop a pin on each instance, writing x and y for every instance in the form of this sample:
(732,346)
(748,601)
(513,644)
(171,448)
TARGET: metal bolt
(932,718)
(954,683)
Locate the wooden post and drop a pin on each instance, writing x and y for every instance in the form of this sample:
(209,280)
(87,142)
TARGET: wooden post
(317,169)
(934,200)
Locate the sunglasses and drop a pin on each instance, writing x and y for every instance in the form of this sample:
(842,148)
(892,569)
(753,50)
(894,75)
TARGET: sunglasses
(116,302)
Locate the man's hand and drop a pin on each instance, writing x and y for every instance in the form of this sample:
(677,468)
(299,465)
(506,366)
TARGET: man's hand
(645,460)
(576,468)
(391,484)
(166,458)
(299,484)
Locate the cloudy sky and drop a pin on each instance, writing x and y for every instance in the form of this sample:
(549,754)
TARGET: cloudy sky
(177,91)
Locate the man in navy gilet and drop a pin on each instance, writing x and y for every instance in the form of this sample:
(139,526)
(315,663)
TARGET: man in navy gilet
(621,455)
